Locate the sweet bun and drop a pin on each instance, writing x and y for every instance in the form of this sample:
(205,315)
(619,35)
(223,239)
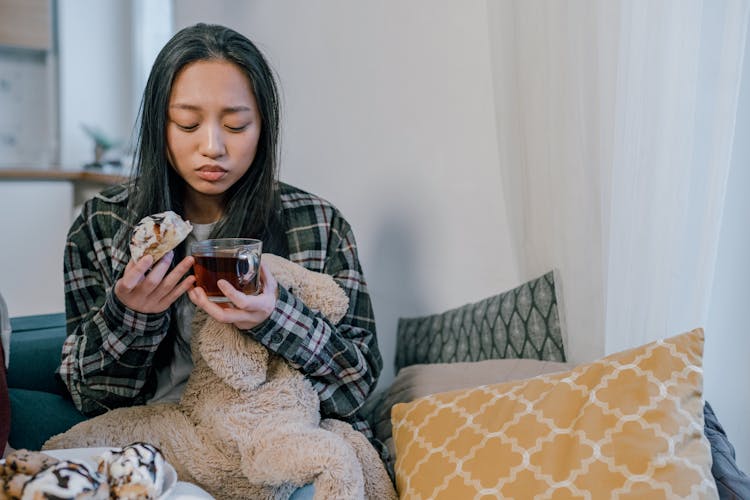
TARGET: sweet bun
(65,480)
(26,462)
(157,234)
(13,486)
(135,471)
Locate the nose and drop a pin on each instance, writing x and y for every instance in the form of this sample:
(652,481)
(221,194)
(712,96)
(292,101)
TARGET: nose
(212,142)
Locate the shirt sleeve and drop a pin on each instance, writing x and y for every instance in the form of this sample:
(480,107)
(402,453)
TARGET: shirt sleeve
(342,361)
(109,349)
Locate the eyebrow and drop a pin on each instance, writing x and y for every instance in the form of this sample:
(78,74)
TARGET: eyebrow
(230,109)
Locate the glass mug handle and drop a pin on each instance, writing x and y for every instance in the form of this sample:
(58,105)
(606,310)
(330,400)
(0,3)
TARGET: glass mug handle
(247,266)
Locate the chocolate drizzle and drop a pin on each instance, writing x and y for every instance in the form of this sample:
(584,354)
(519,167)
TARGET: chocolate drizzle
(146,456)
(138,463)
(63,481)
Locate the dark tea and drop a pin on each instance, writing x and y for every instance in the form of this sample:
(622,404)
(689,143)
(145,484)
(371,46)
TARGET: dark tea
(211,268)
(236,260)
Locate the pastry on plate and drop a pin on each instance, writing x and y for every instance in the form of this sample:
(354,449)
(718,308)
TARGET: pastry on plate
(66,480)
(25,462)
(134,472)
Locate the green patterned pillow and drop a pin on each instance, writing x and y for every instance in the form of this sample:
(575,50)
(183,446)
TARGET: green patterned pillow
(520,323)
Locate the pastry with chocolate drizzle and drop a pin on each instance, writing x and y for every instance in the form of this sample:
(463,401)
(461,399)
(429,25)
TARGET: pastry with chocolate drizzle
(66,480)
(135,472)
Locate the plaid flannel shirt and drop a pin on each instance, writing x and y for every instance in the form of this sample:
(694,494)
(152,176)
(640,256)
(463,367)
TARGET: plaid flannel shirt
(108,355)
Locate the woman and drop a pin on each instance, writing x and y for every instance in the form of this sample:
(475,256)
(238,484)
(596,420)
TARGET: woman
(207,150)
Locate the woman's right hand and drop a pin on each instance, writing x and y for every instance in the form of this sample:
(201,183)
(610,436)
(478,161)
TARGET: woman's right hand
(153,291)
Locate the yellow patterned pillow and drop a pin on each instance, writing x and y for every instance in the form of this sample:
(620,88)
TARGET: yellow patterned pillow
(627,426)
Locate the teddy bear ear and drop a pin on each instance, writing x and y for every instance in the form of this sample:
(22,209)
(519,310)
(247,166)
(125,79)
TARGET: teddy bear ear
(318,291)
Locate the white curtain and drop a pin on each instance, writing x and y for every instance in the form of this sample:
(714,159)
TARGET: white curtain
(615,125)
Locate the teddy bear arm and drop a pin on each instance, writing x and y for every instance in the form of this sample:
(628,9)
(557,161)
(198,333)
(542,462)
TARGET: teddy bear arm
(299,455)
(378,485)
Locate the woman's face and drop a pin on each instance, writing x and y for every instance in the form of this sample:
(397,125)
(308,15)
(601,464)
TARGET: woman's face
(213,126)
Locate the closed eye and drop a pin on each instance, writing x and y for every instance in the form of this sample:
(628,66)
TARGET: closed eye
(237,129)
(187,128)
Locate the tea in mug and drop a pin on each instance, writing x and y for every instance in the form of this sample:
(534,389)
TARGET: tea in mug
(233,259)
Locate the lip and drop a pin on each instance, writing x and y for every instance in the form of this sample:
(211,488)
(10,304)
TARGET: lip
(211,173)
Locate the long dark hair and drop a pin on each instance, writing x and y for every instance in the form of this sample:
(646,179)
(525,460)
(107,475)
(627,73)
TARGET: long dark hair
(252,206)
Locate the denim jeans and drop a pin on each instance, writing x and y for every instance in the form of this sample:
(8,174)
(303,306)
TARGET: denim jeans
(304,493)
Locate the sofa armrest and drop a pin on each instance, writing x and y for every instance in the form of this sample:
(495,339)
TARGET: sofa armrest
(35,347)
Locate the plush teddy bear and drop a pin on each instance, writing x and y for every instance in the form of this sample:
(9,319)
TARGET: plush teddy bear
(248,424)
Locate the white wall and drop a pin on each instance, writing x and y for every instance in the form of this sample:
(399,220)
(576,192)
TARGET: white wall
(388,113)
(726,366)
(31,261)
(25,79)
(106,49)
(95,57)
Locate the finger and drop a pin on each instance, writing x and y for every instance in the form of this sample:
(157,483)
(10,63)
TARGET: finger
(194,295)
(270,285)
(156,275)
(166,259)
(186,284)
(133,276)
(248,307)
(238,298)
(176,274)
(198,297)
(131,263)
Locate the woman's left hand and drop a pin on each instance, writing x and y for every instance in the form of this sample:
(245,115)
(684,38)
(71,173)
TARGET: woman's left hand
(248,311)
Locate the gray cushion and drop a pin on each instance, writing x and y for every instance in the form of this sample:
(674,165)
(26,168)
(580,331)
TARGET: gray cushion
(519,323)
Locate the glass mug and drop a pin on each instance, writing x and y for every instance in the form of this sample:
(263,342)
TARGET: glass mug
(236,260)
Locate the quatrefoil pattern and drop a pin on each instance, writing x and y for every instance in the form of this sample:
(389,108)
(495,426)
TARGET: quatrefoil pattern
(627,426)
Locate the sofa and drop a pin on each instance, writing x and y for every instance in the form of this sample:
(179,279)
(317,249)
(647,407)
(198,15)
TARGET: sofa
(40,407)
(485,402)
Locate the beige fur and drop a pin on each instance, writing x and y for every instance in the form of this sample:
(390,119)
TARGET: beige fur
(248,424)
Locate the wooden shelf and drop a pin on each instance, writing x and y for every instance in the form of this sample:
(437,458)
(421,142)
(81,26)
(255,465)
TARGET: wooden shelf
(35,174)
(26,24)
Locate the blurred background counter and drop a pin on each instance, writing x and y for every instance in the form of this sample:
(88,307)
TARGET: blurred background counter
(38,207)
